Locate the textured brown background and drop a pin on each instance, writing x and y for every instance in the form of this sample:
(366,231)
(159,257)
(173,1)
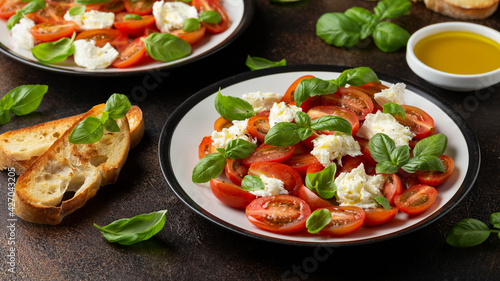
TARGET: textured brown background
(191,248)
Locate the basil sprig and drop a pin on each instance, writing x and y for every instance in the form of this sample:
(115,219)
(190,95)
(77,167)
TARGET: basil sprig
(212,165)
(252,183)
(57,51)
(318,220)
(425,154)
(472,232)
(166,47)
(31,7)
(91,129)
(355,24)
(233,108)
(21,101)
(129,231)
(287,133)
(317,87)
(192,24)
(323,182)
(256,63)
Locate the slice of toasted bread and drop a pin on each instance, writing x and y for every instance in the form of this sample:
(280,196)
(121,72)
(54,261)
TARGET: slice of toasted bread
(463,9)
(70,169)
(20,148)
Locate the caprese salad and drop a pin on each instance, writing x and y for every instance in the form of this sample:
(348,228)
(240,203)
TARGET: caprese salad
(327,156)
(116,33)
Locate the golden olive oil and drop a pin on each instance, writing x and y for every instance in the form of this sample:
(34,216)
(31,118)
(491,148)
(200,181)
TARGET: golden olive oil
(459,52)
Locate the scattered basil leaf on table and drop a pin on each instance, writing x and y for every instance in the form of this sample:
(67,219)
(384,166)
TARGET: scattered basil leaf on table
(390,37)
(21,100)
(472,232)
(166,47)
(57,51)
(256,63)
(318,220)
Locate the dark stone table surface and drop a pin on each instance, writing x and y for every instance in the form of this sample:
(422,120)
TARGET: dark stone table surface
(192,248)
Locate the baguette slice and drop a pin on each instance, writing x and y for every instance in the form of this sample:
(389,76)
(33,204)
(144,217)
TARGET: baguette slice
(66,168)
(463,9)
(20,148)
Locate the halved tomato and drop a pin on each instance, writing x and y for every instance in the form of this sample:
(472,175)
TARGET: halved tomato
(371,88)
(345,220)
(378,216)
(235,170)
(133,27)
(314,168)
(131,55)
(258,126)
(416,199)
(10,7)
(352,99)
(206,147)
(117,39)
(139,7)
(278,213)
(324,110)
(352,162)
(230,194)
(301,162)
(419,122)
(291,178)
(392,187)
(211,5)
(269,153)
(222,123)
(312,199)
(192,37)
(51,13)
(113,6)
(435,178)
(52,31)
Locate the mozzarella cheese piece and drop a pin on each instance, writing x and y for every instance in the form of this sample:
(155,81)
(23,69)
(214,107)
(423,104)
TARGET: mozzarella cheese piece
(92,20)
(91,57)
(385,123)
(272,186)
(282,112)
(170,16)
(262,101)
(332,147)
(394,94)
(237,131)
(21,36)
(356,188)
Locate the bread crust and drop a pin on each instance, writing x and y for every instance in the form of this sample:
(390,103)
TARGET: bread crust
(463,9)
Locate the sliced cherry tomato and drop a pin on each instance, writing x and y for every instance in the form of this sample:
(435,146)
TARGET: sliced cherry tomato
(133,27)
(323,110)
(392,187)
(407,179)
(211,5)
(291,178)
(435,178)
(308,142)
(10,7)
(345,220)
(379,216)
(117,39)
(222,123)
(151,29)
(278,213)
(131,55)
(301,162)
(314,168)
(312,199)
(230,194)
(365,149)
(349,163)
(419,122)
(139,7)
(416,199)
(52,31)
(235,170)
(113,6)
(206,147)
(258,126)
(269,153)
(192,37)
(352,99)
(51,13)
(300,148)
(371,88)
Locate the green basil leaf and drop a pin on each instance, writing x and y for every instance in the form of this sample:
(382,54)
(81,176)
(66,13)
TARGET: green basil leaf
(26,98)
(495,219)
(302,119)
(381,147)
(90,130)
(31,7)
(210,17)
(132,17)
(166,47)
(256,63)
(332,123)
(239,149)
(283,134)
(304,133)
(390,37)
(338,29)
(6,102)
(190,25)
(394,109)
(233,108)
(424,163)
(386,167)
(360,75)
(117,105)
(88,2)
(210,166)
(383,201)
(364,17)
(318,220)
(400,155)
(468,233)
(14,19)
(432,145)
(4,116)
(132,230)
(313,87)
(57,51)
(323,182)
(111,126)
(252,183)
(78,10)
(389,9)
(222,151)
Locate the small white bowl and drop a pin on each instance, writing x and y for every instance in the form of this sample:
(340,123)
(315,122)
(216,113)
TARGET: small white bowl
(449,81)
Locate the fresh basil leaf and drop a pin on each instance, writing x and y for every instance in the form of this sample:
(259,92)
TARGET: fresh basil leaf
(88,2)
(304,133)
(390,37)
(222,151)
(132,230)
(166,47)
(77,11)
(57,51)
(432,145)
(14,19)
(313,87)
(318,220)
(31,7)
(190,25)
(256,63)
(90,130)
(332,123)
(424,163)
(302,119)
(360,75)
(389,9)
(252,183)
(4,116)
(400,155)
(394,109)
(134,17)
(338,29)
(210,166)
(210,17)
(117,106)
(283,134)
(239,149)
(364,17)
(386,167)
(381,147)
(323,182)
(111,125)
(468,233)
(233,108)
(26,98)
(383,201)
(495,220)
(6,102)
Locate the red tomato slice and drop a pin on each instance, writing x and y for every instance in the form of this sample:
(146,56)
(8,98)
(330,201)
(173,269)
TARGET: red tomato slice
(392,187)
(117,39)
(301,162)
(435,178)
(131,55)
(258,126)
(51,13)
(10,7)
(371,88)
(291,178)
(345,220)
(269,153)
(279,213)
(235,170)
(419,122)
(314,168)
(133,27)
(379,216)
(113,6)
(312,199)
(352,99)
(52,31)
(222,123)
(192,37)
(416,199)
(323,110)
(230,194)
(139,7)
(211,5)
(206,147)
(350,162)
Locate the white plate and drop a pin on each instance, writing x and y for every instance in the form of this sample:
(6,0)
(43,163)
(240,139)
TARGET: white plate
(182,133)
(240,13)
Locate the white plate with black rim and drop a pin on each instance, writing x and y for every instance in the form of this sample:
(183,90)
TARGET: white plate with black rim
(240,13)
(192,120)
